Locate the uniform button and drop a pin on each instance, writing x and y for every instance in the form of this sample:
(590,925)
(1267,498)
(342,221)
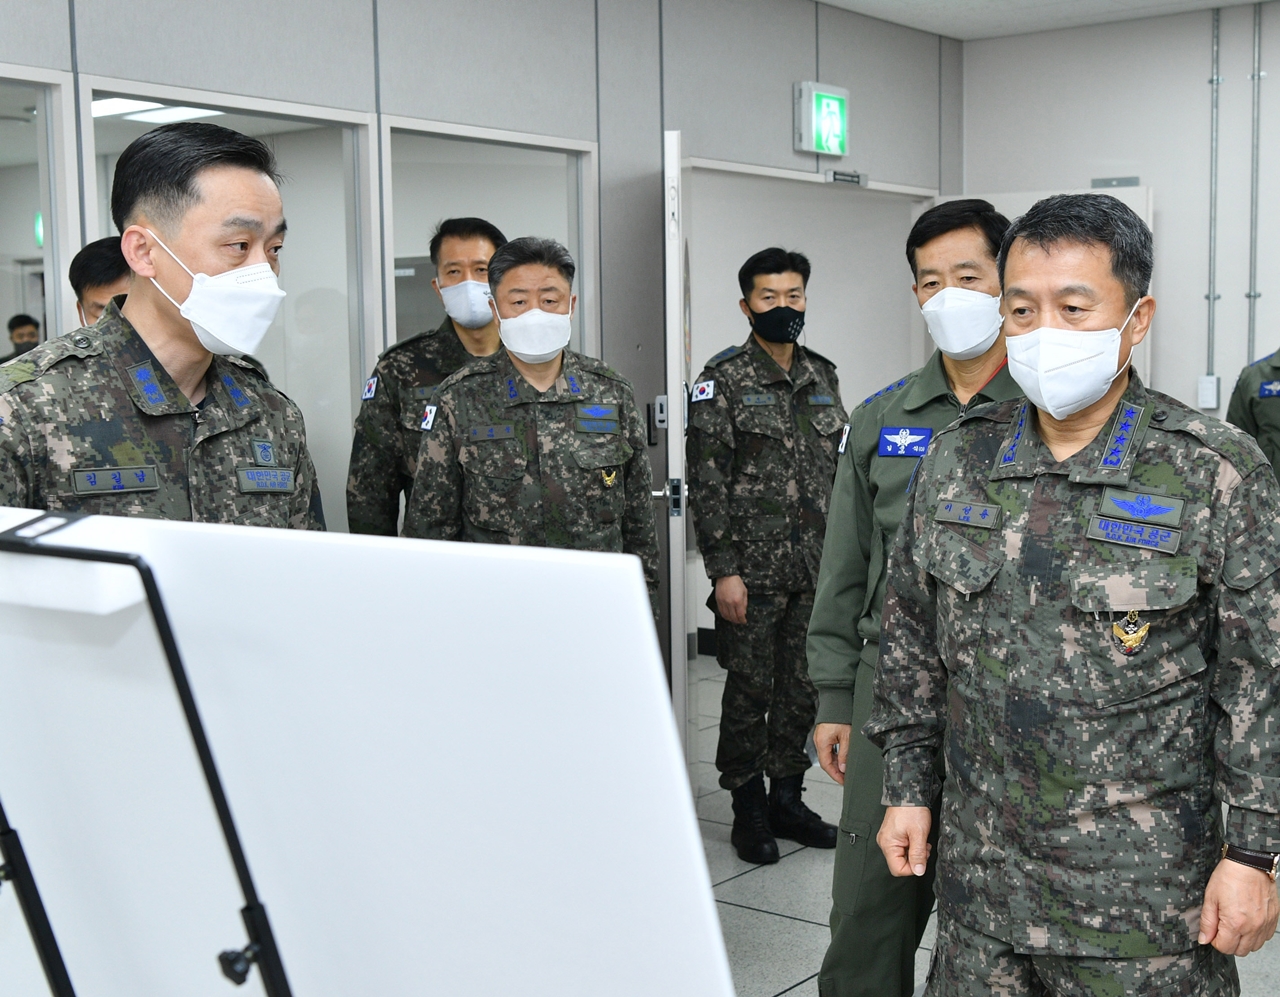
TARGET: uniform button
(1160,416)
(80,342)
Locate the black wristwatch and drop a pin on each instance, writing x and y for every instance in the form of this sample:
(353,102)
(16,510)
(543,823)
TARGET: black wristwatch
(1268,862)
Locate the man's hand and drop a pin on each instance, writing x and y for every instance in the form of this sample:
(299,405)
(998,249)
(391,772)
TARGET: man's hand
(731,598)
(1240,909)
(904,839)
(832,742)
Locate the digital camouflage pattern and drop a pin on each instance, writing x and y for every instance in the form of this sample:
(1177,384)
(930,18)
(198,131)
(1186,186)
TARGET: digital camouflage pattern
(966,962)
(1255,405)
(766,675)
(877,920)
(761,456)
(384,452)
(91,422)
(1086,757)
(503,463)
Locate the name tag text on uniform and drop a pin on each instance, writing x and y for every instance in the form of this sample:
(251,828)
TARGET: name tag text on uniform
(265,479)
(1117,531)
(1158,510)
(766,399)
(507,431)
(142,478)
(904,441)
(986,517)
(821,400)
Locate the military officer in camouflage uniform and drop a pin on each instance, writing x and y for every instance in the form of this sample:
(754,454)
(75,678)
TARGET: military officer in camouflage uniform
(384,453)
(764,425)
(536,444)
(877,920)
(1081,606)
(149,412)
(1255,405)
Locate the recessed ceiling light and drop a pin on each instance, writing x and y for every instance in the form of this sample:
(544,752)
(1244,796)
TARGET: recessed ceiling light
(108,106)
(168,115)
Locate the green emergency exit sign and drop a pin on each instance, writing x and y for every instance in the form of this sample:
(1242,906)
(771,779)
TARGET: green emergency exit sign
(821,119)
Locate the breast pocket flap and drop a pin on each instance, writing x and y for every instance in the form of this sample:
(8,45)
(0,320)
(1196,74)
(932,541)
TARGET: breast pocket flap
(602,455)
(493,459)
(963,565)
(1158,584)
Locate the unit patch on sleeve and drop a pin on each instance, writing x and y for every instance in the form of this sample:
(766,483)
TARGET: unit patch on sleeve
(704,391)
(428,417)
(370,389)
(968,514)
(904,441)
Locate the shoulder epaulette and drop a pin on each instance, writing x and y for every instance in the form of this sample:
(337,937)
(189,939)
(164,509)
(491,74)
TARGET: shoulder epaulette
(1270,356)
(476,365)
(818,356)
(33,363)
(1222,438)
(242,364)
(725,354)
(592,365)
(400,344)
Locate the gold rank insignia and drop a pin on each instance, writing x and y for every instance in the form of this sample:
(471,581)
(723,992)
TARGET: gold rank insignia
(610,478)
(1130,634)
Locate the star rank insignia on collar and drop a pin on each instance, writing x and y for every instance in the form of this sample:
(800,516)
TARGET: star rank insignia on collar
(1130,634)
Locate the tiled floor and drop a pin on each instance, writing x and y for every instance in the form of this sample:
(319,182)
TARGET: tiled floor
(775,917)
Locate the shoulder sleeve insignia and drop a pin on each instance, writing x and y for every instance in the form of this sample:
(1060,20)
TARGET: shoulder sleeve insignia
(370,388)
(704,391)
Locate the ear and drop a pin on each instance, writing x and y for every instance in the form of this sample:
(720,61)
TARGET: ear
(137,246)
(573,303)
(436,284)
(1140,324)
(746,309)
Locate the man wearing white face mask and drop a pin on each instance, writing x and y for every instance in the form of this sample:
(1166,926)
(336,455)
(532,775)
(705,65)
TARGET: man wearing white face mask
(1080,611)
(537,444)
(151,411)
(384,452)
(877,920)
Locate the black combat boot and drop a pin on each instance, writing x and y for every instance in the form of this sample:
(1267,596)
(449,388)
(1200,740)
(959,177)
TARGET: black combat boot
(751,835)
(790,818)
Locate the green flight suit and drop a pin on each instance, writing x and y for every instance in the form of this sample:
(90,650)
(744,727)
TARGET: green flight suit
(876,920)
(1255,404)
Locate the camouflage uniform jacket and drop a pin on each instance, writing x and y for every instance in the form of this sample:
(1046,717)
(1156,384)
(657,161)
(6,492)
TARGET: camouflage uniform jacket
(503,463)
(868,500)
(384,453)
(761,456)
(1086,755)
(1255,405)
(91,422)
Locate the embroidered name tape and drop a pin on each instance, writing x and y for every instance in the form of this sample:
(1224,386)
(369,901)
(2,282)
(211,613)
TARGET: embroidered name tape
(507,431)
(140,478)
(821,400)
(370,389)
(596,425)
(264,453)
(1269,389)
(986,517)
(1117,531)
(265,479)
(1158,510)
(765,399)
(704,391)
(904,441)
(428,417)
(844,439)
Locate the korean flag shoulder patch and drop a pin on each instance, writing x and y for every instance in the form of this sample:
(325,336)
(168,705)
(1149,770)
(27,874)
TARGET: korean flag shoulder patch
(370,388)
(428,417)
(844,438)
(704,391)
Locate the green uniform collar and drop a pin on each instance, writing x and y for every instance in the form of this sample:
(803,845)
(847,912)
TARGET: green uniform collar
(768,371)
(569,386)
(1108,459)
(931,383)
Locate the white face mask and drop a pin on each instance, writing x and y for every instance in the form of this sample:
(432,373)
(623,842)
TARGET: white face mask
(536,336)
(232,311)
(1063,370)
(467,303)
(963,323)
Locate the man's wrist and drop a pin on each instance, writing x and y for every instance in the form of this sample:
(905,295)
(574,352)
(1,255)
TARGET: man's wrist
(835,705)
(1265,862)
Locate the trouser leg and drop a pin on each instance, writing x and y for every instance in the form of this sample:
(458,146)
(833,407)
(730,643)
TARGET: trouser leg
(793,705)
(747,652)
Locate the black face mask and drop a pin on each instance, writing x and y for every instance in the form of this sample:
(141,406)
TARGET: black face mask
(778,325)
(23,347)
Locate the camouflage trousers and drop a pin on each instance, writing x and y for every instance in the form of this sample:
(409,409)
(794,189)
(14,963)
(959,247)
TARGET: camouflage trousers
(968,962)
(769,703)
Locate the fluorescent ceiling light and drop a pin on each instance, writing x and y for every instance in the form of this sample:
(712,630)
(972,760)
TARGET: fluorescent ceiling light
(120,105)
(167,115)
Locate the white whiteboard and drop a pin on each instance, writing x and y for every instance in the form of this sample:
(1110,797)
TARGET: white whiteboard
(453,767)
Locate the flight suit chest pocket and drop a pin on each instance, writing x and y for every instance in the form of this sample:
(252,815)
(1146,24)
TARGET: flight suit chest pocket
(964,572)
(1136,630)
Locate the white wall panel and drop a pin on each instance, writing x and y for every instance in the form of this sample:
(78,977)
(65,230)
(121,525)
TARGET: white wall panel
(35,33)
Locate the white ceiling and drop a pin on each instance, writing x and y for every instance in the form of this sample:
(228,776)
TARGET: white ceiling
(970,19)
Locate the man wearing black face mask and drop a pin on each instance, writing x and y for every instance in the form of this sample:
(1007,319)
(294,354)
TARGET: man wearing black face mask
(24,334)
(764,429)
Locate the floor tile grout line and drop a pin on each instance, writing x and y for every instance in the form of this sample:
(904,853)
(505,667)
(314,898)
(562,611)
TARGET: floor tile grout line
(794,985)
(774,913)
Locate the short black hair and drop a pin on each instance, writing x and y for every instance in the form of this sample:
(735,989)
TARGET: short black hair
(100,263)
(951,216)
(1090,220)
(465,228)
(18,321)
(530,249)
(157,172)
(772,260)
